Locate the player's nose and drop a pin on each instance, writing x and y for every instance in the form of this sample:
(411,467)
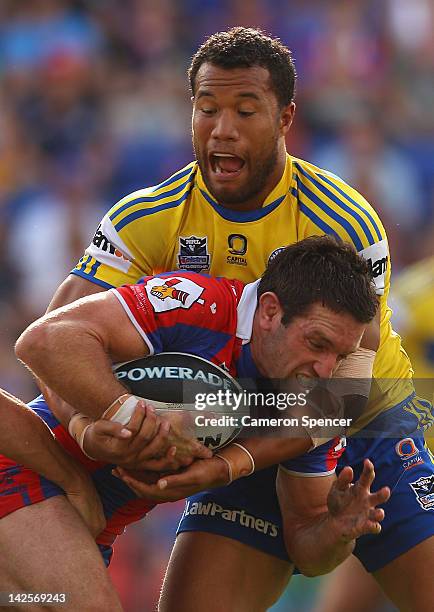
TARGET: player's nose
(325,366)
(225,127)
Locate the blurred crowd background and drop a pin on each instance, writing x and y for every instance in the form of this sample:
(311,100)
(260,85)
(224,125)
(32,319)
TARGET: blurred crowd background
(94,104)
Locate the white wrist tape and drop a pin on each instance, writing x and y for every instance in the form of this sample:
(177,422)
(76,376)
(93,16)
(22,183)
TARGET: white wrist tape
(77,427)
(121,410)
(356,369)
(239,465)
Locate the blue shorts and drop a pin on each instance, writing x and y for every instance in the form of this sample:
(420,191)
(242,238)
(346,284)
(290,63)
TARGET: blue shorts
(248,510)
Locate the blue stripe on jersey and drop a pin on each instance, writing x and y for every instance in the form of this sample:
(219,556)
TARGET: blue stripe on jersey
(331,213)
(189,339)
(84,261)
(92,279)
(94,268)
(174,178)
(350,199)
(314,217)
(150,211)
(241,216)
(340,204)
(155,198)
(176,273)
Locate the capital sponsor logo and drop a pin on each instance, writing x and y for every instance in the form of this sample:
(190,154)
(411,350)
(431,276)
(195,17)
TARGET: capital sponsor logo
(193,253)
(237,247)
(232,516)
(407,450)
(423,489)
(237,244)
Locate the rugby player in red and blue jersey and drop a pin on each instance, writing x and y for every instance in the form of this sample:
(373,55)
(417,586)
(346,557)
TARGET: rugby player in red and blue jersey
(266,328)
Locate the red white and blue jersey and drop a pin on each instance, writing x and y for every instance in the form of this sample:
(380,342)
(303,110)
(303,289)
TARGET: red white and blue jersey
(211,318)
(185,312)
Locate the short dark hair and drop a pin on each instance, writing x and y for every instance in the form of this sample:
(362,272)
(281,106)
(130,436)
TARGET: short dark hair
(245,47)
(321,269)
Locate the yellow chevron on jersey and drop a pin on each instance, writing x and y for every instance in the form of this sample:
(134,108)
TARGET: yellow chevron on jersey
(179,225)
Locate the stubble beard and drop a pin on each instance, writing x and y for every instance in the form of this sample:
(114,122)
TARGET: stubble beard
(254,185)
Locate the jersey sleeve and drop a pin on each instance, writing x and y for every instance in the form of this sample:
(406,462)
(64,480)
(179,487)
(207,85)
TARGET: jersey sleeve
(321,461)
(136,235)
(184,312)
(328,205)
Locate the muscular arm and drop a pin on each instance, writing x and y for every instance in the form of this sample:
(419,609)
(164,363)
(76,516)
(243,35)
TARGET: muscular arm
(26,439)
(72,288)
(322,516)
(352,379)
(72,349)
(371,337)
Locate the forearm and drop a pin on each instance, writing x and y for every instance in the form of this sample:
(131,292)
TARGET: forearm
(272,451)
(72,288)
(61,409)
(318,547)
(261,453)
(27,440)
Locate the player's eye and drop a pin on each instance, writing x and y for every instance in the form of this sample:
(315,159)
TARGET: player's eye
(207,111)
(316,346)
(245,113)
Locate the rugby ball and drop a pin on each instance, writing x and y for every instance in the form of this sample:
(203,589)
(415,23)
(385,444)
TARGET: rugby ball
(199,390)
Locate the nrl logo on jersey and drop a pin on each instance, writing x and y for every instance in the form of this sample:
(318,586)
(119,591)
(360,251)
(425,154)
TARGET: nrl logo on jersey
(424,490)
(193,254)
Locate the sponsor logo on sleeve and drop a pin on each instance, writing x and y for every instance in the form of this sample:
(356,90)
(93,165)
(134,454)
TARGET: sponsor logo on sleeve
(104,251)
(171,293)
(424,490)
(377,256)
(193,253)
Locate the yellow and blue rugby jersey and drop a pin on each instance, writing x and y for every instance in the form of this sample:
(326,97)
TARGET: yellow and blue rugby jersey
(413,294)
(179,225)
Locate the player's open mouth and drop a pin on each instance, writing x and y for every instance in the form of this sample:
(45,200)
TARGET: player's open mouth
(307,382)
(226,165)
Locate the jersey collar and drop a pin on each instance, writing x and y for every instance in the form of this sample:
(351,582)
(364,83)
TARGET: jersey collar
(274,198)
(246,311)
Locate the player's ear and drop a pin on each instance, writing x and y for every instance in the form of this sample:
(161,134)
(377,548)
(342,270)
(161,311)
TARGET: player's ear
(286,117)
(269,310)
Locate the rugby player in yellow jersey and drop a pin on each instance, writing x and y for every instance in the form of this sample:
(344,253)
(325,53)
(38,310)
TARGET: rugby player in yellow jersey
(227,214)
